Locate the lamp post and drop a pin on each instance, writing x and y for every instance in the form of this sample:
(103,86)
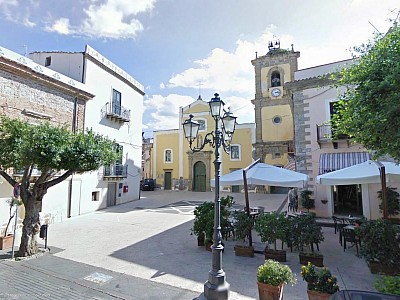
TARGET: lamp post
(216,287)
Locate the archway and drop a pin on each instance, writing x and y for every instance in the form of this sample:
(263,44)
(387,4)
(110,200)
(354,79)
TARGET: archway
(199,177)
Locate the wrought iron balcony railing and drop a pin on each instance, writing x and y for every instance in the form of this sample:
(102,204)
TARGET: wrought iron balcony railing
(116,170)
(325,134)
(116,112)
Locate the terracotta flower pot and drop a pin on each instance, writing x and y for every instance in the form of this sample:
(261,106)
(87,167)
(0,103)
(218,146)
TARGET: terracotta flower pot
(313,295)
(269,292)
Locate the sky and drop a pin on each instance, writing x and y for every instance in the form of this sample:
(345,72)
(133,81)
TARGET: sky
(179,49)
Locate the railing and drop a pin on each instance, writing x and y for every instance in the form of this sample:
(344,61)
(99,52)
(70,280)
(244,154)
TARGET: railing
(324,133)
(116,170)
(117,112)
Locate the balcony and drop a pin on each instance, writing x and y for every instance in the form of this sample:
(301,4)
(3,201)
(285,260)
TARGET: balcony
(115,172)
(324,135)
(116,113)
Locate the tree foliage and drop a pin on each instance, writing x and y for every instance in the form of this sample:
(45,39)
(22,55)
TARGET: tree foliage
(54,151)
(369,108)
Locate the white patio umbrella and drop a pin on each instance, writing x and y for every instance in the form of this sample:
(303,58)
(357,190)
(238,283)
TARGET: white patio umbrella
(366,172)
(264,174)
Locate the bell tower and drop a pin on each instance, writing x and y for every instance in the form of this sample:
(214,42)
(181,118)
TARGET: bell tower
(273,104)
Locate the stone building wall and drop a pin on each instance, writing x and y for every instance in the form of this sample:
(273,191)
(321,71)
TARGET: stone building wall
(27,98)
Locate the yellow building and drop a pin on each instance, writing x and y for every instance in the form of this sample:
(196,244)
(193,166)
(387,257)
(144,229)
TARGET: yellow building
(175,166)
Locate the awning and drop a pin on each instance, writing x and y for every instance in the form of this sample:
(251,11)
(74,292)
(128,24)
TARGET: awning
(329,162)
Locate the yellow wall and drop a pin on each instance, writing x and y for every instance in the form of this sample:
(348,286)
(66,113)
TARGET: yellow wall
(277,132)
(170,139)
(265,80)
(166,141)
(197,107)
(242,137)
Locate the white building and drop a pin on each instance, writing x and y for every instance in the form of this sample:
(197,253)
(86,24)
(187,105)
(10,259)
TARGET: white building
(33,93)
(115,111)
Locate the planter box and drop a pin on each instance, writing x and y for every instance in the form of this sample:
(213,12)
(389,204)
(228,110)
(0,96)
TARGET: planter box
(313,295)
(315,259)
(247,251)
(378,268)
(269,292)
(6,242)
(278,255)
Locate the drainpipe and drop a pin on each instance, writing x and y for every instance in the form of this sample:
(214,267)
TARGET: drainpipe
(74,115)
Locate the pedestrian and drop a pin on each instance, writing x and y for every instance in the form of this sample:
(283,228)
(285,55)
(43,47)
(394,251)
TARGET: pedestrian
(296,200)
(291,200)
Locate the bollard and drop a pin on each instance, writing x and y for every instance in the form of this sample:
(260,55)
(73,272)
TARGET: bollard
(43,234)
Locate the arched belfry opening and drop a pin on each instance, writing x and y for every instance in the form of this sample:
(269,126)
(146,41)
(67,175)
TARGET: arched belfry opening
(275,79)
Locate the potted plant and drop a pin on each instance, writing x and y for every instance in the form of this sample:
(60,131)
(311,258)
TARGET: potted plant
(272,227)
(306,233)
(379,246)
(7,238)
(321,284)
(201,221)
(243,224)
(271,276)
(203,225)
(306,201)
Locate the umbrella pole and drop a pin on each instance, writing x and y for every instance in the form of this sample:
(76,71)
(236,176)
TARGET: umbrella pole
(246,198)
(382,174)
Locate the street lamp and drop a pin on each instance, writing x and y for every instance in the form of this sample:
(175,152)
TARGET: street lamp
(216,287)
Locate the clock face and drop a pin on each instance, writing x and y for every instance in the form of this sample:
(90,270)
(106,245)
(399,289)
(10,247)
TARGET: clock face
(276,92)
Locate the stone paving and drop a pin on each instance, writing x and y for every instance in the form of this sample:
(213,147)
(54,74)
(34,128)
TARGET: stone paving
(144,250)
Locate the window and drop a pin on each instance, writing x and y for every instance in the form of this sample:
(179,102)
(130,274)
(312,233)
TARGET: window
(47,61)
(95,196)
(116,102)
(235,152)
(277,120)
(168,155)
(275,79)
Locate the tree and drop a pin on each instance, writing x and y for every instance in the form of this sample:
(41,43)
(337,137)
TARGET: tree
(370,106)
(57,153)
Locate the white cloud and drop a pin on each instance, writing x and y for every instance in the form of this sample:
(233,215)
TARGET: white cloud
(164,111)
(28,23)
(60,26)
(115,19)
(227,71)
(112,19)
(6,5)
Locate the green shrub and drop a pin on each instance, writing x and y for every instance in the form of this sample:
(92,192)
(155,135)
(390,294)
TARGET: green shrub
(388,285)
(306,201)
(274,273)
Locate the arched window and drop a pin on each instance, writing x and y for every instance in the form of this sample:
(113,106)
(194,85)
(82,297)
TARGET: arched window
(275,79)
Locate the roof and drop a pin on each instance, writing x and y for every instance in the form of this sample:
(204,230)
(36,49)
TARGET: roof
(25,64)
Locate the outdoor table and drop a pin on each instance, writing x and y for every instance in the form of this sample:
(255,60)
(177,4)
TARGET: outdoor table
(352,220)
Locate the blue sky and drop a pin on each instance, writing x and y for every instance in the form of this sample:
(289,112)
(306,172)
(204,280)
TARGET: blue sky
(176,47)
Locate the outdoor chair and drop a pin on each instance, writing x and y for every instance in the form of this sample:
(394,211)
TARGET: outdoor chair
(338,223)
(350,236)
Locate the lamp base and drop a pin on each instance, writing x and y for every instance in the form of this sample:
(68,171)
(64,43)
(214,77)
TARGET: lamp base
(216,292)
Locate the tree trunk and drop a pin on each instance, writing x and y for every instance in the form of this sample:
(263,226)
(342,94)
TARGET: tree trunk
(31,227)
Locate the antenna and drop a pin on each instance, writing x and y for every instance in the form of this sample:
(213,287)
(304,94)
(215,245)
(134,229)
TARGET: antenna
(199,84)
(26,50)
(375,27)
